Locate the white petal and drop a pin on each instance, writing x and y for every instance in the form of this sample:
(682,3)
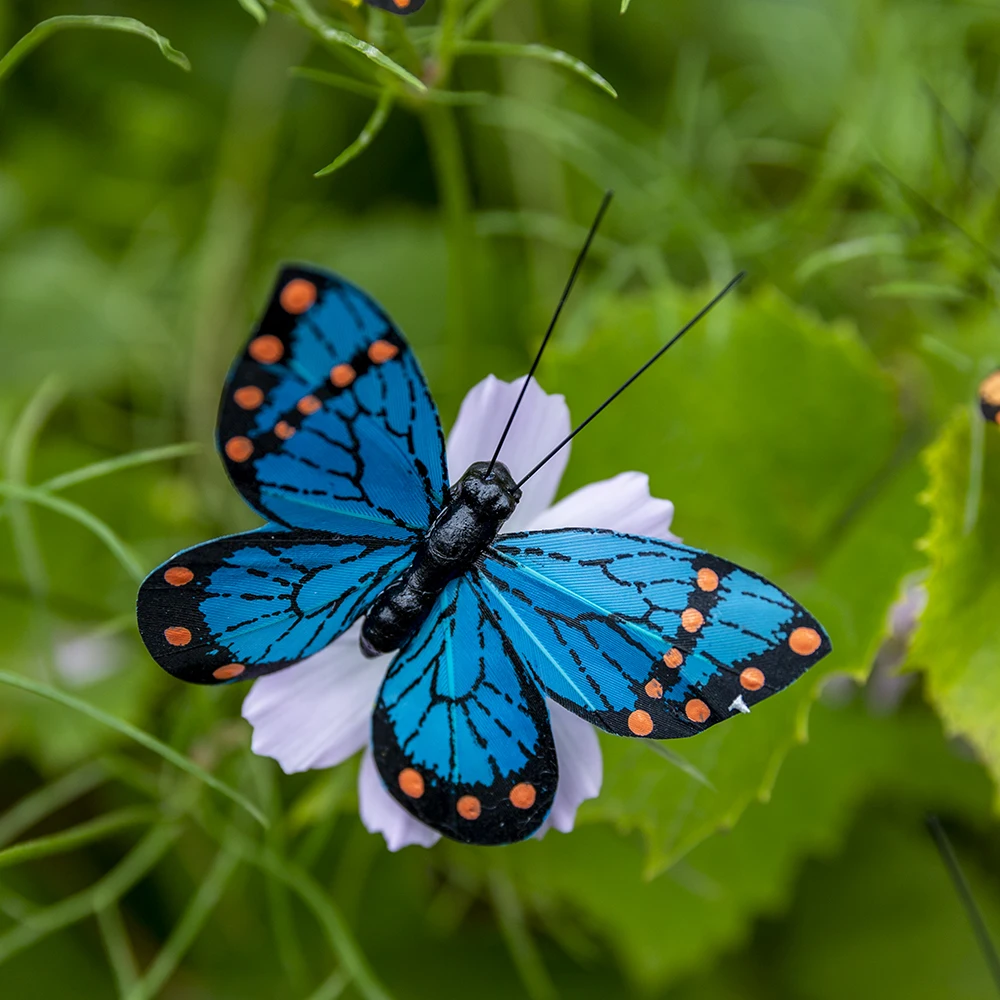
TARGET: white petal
(581,768)
(542,422)
(381,813)
(622,504)
(317,713)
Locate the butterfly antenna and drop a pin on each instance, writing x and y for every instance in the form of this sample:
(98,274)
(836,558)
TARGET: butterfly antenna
(608,195)
(656,357)
(972,910)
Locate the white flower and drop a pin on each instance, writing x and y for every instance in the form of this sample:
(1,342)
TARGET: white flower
(318,712)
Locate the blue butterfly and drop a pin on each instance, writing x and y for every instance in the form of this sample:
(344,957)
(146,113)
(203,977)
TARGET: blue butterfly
(328,431)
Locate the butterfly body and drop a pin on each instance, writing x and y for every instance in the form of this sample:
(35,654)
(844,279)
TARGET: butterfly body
(329,432)
(477,507)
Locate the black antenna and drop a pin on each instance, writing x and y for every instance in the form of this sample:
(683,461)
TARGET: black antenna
(608,195)
(972,911)
(656,357)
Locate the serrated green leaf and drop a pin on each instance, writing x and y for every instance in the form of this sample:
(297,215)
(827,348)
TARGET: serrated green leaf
(367,135)
(541,52)
(47,28)
(773,430)
(957,645)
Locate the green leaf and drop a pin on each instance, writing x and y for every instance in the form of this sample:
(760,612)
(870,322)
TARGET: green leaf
(542,52)
(45,29)
(372,128)
(773,433)
(625,4)
(957,645)
(254,9)
(134,733)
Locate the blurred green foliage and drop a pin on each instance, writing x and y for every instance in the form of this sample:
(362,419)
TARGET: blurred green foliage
(817,428)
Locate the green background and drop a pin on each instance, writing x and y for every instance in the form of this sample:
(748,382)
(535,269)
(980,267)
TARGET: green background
(819,427)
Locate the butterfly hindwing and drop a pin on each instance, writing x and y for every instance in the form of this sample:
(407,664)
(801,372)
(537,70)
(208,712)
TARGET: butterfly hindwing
(246,605)
(644,637)
(460,732)
(326,421)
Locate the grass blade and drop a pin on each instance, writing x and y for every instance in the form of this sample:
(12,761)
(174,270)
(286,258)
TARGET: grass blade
(337,80)
(542,52)
(116,944)
(625,4)
(527,959)
(35,807)
(372,128)
(338,36)
(78,836)
(961,885)
(203,902)
(46,29)
(130,870)
(82,516)
(679,762)
(331,987)
(136,734)
(254,9)
(112,465)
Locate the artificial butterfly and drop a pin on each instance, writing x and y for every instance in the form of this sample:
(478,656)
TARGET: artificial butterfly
(989,397)
(328,430)
(397,6)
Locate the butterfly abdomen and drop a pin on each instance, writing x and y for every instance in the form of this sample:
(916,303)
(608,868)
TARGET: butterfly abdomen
(477,507)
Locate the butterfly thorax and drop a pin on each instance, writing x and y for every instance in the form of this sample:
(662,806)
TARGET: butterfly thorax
(477,506)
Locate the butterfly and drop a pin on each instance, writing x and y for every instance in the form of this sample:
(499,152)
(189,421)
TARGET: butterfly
(327,429)
(989,397)
(397,6)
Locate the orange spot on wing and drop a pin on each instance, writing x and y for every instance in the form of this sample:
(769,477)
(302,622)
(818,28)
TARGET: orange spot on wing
(752,679)
(266,349)
(228,672)
(284,430)
(249,397)
(523,795)
(673,657)
(342,375)
(239,449)
(402,4)
(708,579)
(696,710)
(804,641)
(177,576)
(177,635)
(411,782)
(381,351)
(469,807)
(640,723)
(692,619)
(308,404)
(297,296)
(654,688)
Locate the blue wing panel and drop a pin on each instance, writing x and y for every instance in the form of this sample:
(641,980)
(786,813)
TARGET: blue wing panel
(644,637)
(250,604)
(460,732)
(326,415)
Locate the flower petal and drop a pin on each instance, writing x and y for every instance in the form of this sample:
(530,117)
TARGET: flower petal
(581,768)
(622,504)
(381,813)
(542,422)
(317,713)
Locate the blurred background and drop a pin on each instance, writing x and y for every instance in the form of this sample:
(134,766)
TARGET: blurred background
(821,427)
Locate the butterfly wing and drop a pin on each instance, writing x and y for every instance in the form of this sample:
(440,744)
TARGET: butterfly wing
(250,604)
(326,422)
(989,397)
(644,637)
(460,731)
(397,6)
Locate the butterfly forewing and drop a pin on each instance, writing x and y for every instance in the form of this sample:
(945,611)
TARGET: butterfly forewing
(326,416)
(644,637)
